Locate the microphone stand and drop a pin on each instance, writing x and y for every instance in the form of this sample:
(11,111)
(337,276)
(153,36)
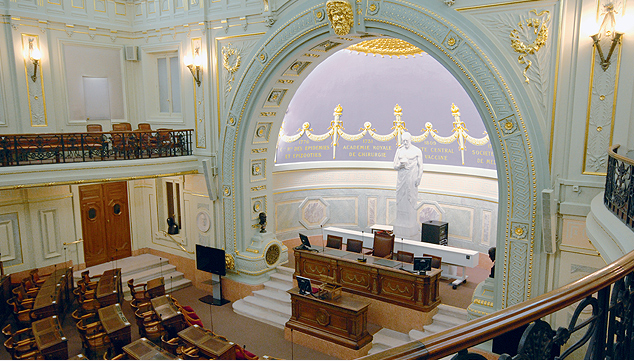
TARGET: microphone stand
(322,239)
(362,259)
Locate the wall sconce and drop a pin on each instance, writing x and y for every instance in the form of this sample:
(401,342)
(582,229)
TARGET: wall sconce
(194,65)
(33,53)
(607,30)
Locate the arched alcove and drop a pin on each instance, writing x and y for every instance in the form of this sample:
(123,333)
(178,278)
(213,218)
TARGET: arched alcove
(301,40)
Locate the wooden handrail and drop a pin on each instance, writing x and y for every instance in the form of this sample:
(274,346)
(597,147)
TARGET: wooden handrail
(612,153)
(477,331)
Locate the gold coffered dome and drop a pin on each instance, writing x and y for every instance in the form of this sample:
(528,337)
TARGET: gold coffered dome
(383,47)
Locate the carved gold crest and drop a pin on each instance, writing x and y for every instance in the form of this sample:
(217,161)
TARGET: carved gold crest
(540,29)
(340,16)
(230,262)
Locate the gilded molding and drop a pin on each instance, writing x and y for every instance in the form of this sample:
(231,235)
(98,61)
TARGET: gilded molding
(340,16)
(540,29)
(386,46)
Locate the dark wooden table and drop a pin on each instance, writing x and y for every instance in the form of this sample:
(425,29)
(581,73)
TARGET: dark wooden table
(49,339)
(109,289)
(211,346)
(171,317)
(343,321)
(116,325)
(378,278)
(54,297)
(144,349)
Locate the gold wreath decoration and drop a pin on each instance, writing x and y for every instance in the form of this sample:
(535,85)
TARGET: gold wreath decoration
(226,53)
(230,262)
(519,46)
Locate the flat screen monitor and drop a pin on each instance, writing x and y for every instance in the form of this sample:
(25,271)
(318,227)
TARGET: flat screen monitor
(209,259)
(303,283)
(422,264)
(305,242)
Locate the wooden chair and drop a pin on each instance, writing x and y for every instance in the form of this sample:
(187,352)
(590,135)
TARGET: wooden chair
(190,353)
(98,344)
(22,294)
(6,331)
(144,126)
(117,127)
(435,260)
(36,278)
(87,280)
(170,345)
(94,128)
(23,316)
(138,293)
(405,256)
(383,245)
(22,344)
(90,305)
(334,241)
(163,142)
(87,322)
(354,245)
(143,312)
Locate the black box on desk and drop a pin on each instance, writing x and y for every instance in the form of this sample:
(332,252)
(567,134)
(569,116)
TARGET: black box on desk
(435,232)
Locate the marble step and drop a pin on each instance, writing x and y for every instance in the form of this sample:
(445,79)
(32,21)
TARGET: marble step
(128,265)
(150,274)
(264,304)
(277,286)
(415,335)
(283,278)
(377,347)
(243,308)
(285,270)
(390,338)
(447,321)
(276,296)
(452,311)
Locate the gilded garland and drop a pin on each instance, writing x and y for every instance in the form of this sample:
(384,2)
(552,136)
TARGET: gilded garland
(227,54)
(539,29)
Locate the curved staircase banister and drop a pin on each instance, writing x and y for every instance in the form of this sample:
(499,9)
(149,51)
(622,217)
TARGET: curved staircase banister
(612,152)
(477,331)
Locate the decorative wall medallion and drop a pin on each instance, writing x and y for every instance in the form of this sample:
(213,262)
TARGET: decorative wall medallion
(373,7)
(314,212)
(203,222)
(258,170)
(262,132)
(296,68)
(226,191)
(320,15)
(258,204)
(272,254)
(262,57)
(325,46)
(275,98)
(340,15)
(230,262)
(452,41)
(231,120)
(231,60)
(538,27)
(508,125)
(519,230)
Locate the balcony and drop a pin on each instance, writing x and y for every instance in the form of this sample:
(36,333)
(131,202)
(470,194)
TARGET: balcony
(28,160)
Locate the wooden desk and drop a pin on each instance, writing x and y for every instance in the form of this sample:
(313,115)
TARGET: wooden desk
(210,345)
(144,349)
(109,289)
(377,278)
(155,287)
(54,296)
(171,318)
(49,338)
(344,321)
(116,325)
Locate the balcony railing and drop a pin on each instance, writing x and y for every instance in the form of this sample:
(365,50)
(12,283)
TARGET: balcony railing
(619,186)
(607,333)
(23,149)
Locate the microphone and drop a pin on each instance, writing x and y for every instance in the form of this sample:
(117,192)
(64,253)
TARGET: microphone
(322,239)
(362,259)
(401,254)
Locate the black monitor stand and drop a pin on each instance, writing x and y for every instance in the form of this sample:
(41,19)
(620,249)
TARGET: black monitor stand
(216,297)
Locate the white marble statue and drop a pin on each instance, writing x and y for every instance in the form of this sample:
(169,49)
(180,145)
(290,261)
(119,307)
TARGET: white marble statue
(408,161)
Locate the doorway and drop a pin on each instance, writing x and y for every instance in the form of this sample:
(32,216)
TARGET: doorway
(105,221)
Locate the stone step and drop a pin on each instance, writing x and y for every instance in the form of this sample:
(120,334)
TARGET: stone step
(269,305)
(176,282)
(434,328)
(242,308)
(390,338)
(128,265)
(150,274)
(452,311)
(278,286)
(283,278)
(285,270)
(447,321)
(277,296)
(415,335)
(377,347)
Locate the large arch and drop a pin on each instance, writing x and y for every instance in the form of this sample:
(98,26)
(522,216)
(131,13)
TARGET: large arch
(302,39)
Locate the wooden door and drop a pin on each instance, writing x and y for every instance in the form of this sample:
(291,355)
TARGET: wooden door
(105,222)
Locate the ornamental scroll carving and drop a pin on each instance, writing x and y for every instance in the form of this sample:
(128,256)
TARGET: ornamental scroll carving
(340,15)
(336,131)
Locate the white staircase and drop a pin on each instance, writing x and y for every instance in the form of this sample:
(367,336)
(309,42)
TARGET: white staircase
(271,305)
(446,318)
(141,268)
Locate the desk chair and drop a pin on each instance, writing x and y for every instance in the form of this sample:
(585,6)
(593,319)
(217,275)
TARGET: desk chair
(383,245)
(354,245)
(138,293)
(91,128)
(435,260)
(334,241)
(404,256)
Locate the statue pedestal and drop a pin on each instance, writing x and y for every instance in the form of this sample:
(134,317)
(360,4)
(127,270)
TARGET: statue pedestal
(483,301)
(259,259)
(259,241)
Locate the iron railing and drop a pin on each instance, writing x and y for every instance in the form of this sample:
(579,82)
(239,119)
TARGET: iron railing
(608,333)
(23,149)
(619,186)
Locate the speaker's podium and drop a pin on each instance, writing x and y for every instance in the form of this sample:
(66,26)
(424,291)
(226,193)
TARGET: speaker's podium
(435,232)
